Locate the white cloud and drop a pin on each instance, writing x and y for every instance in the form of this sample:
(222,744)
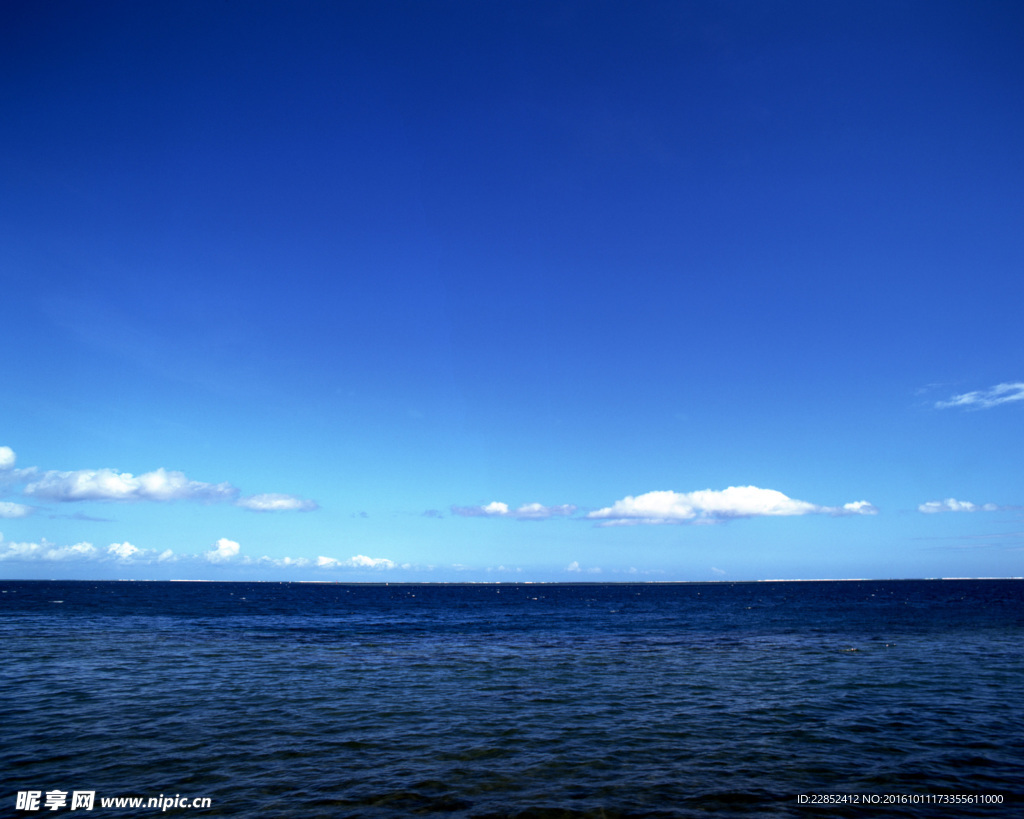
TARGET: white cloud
(14,510)
(953,505)
(46,551)
(160,485)
(276,502)
(110,485)
(7,457)
(528,511)
(117,552)
(127,553)
(983,399)
(855,508)
(124,551)
(324,562)
(223,551)
(710,506)
(537,511)
(288,562)
(364,562)
(575,567)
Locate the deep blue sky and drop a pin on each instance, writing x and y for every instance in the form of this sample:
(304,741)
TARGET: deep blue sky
(351,273)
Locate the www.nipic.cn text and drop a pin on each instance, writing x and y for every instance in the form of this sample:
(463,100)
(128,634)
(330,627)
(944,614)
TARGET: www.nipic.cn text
(86,800)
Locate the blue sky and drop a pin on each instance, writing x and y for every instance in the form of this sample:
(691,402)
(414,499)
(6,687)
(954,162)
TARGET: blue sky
(511,291)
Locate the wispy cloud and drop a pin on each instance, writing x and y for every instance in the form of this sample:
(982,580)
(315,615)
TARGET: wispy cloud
(576,568)
(983,399)
(14,510)
(712,506)
(528,511)
(954,505)
(276,502)
(81,516)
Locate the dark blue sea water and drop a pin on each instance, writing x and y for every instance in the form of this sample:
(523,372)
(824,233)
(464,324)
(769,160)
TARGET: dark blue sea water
(654,700)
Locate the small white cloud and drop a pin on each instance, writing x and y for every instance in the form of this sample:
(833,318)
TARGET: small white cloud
(79,550)
(14,510)
(297,562)
(364,562)
(574,567)
(537,511)
(276,502)
(954,505)
(110,485)
(528,511)
(223,551)
(710,506)
(127,553)
(856,508)
(7,457)
(983,399)
(124,551)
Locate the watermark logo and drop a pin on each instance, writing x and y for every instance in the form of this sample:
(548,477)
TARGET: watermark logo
(86,800)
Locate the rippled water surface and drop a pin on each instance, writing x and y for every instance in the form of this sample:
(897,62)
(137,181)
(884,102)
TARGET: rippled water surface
(659,700)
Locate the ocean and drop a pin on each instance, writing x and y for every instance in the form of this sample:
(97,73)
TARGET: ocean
(843,698)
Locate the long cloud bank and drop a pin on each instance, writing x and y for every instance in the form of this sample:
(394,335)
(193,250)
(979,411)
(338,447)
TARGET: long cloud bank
(528,511)
(712,506)
(704,506)
(224,552)
(109,485)
(954,505)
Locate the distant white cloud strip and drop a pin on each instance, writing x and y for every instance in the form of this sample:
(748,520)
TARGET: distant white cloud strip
(983,399)
(711,506)
(953,505)
(160,485)
(275,502)
(224,552)
(528,511)
(109,485)
(357,562)
(24,552)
